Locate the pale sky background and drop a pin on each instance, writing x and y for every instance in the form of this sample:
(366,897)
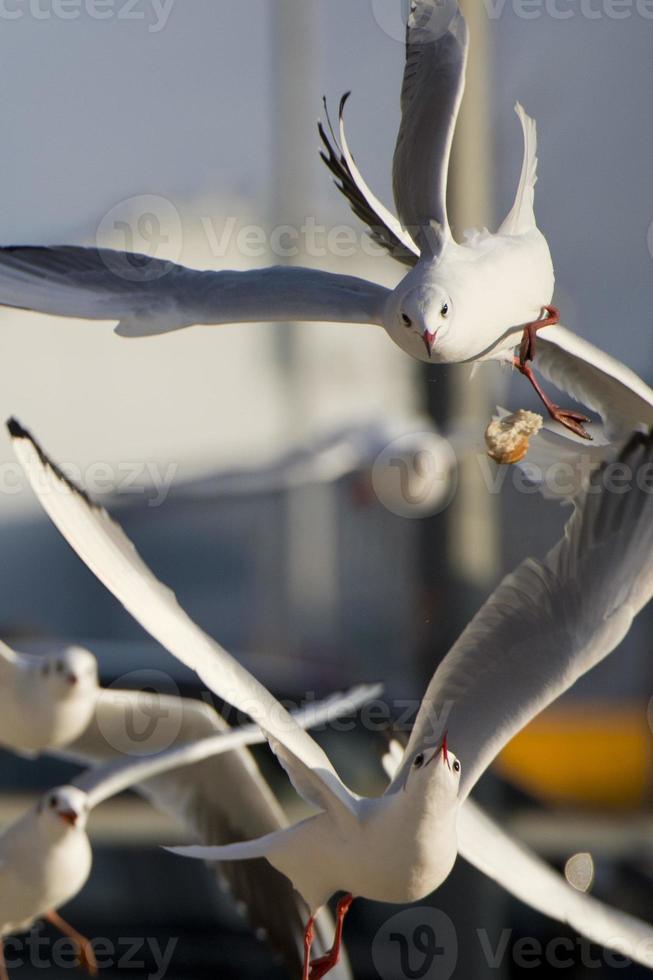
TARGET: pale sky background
(97,111)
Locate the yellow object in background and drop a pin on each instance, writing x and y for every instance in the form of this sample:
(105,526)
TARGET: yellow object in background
(589,753)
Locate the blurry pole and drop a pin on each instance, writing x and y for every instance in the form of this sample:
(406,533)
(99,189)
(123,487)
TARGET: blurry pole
(474,533)
(295,101)
(311,558)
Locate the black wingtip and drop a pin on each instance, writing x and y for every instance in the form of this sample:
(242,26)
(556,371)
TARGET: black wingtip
(15,429)
(343,102)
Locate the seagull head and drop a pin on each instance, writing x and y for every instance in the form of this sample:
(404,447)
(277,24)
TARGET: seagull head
(72,671)
(63,809)
(424,314)
(434,772)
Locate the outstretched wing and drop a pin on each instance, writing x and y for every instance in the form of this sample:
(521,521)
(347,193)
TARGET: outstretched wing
(107,551)
(546,624)
(483,843)
(434,80)
(115,718)
(210,784)
(152,296)
(384,228)
(595,379)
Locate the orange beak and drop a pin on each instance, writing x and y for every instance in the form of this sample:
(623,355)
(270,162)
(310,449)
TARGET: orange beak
(68,816)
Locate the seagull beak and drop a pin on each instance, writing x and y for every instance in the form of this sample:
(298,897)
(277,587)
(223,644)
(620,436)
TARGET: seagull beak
(429,341)
(445,754)
(69,817)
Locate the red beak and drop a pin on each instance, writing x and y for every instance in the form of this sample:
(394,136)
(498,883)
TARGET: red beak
(429,341)
(69,817)
(445,754)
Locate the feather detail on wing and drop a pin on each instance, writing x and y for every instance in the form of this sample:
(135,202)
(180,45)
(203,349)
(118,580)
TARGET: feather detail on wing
(483,843)
(102,544)
(434,80)
(595,379)
(383,227)
(545,625)
(152,296)
(521,217)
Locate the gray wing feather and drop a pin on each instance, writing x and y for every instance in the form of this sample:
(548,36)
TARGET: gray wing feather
(222,800)
(434,80)
(546,624)
(360,200)
(152,296)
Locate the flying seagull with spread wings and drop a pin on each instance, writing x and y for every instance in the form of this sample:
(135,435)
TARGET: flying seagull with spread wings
(460,302)
(547,624)
(54,704)
(46,856)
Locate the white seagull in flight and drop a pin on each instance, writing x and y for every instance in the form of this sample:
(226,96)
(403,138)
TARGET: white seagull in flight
(458,303)
(547,624)
(47,701)
(46,856)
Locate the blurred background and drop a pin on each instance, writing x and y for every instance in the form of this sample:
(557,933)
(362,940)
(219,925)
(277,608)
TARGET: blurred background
(188,130)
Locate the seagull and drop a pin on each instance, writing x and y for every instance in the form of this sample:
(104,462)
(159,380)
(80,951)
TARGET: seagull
(47,701)
(194,794)
(46,856)
(45,859)
(544,626)
(459,302)
(484,844)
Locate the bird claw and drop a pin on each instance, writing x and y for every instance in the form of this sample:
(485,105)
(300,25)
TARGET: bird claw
(571,420)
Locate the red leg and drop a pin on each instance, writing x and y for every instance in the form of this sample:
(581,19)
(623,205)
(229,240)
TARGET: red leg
(309,934)
(321,966)
(529,338)
(571,420)
(84,949)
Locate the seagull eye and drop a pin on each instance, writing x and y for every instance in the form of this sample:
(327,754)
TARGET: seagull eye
(418,762)
(444,312)
(456,766)
(53,802)
(407,322)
